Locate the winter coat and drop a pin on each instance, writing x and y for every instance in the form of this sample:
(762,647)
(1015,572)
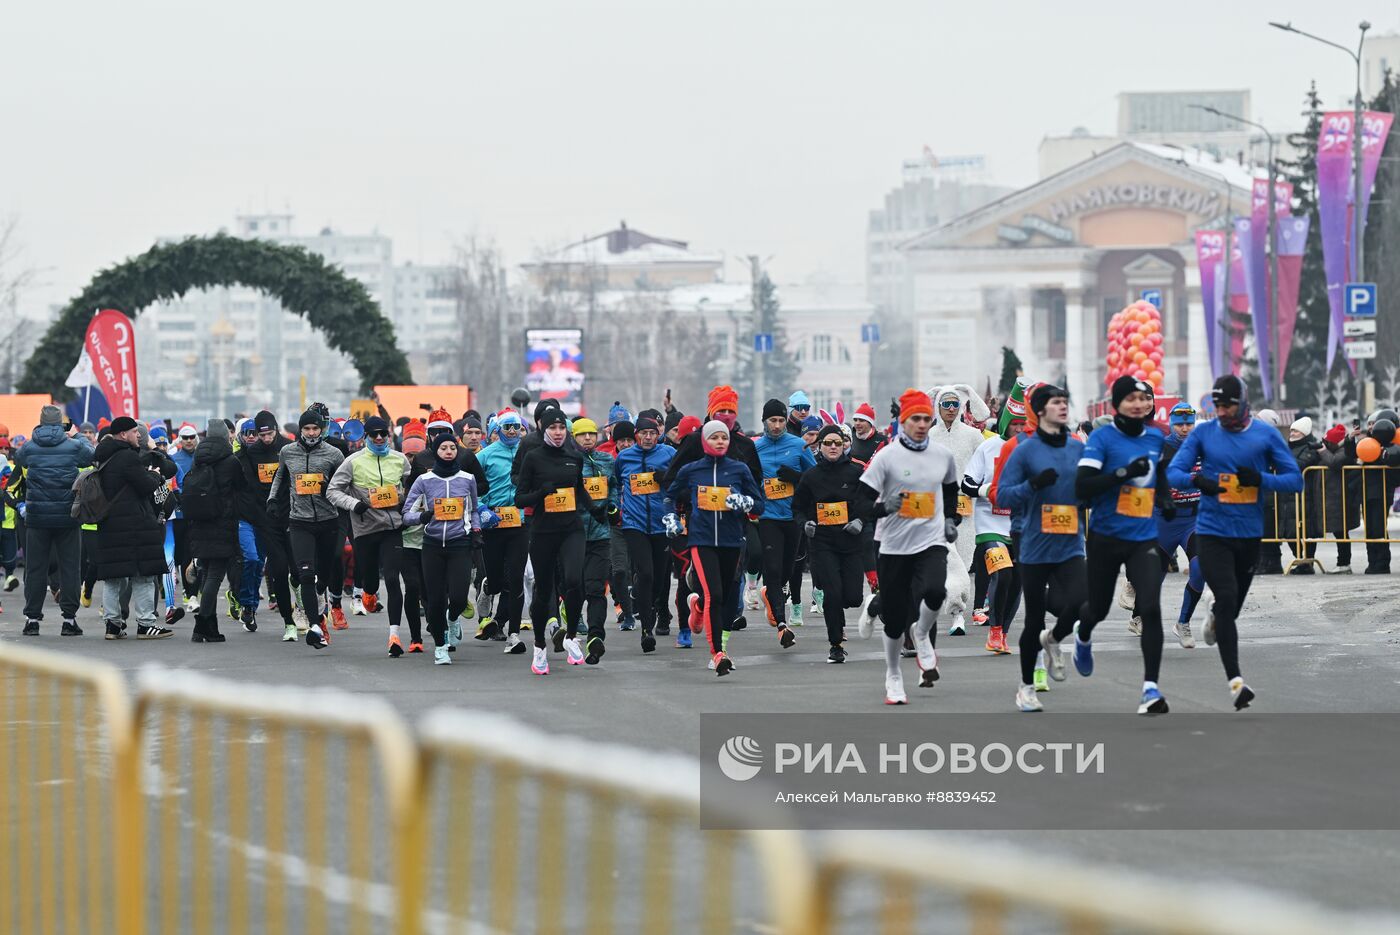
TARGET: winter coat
(130,538)
(316,465)
(259,465)
(714,528)
(419,507)
(643,511)
(1307,452)
(424,460)
(741,449)
(544,471)
(50,461)
(599,465)
(834,482)
(1342,489)
(358,478)
(496,461)
(863,450)
(781,458)
(218,537)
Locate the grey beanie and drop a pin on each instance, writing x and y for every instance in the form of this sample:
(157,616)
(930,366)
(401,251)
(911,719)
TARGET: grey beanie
(217,428)
(51,415)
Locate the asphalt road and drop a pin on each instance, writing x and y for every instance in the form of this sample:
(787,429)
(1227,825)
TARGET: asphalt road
(1309,644)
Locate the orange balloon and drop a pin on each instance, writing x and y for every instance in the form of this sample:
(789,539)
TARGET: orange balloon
(1152,327)
(1368,450)
(1135,339)
(1155,378)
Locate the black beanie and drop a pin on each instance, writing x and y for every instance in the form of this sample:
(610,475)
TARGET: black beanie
(473,421)
(1228,390)
(825,430)
(309,417)
(1125,385)
(552,416)
(623,431)
(1044,393)
(375,424)
(652,414)
(542,407)
(265,420)
(774,407)
(647,422)
(673,419)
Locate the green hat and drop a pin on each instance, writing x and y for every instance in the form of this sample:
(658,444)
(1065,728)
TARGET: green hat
(1014,409)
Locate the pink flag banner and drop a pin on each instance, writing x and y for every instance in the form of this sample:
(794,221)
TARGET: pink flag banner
(1292,243)
(1238,306)
(1375,130)
(1210,251)
(1247,232)
(1333,180)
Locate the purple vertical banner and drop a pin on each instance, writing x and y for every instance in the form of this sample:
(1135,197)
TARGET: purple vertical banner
(1333,180)
(1292,244)
(1254,281)
(1238,305)
(1210,250)
(1375,130)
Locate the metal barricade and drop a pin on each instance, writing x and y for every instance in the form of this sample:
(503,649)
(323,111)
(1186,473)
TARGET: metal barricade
(67,764)
(1285,533)
(276,809)
(530,832)
(1366,513)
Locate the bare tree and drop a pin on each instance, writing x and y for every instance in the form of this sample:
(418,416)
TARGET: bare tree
(17,334)
(485,313)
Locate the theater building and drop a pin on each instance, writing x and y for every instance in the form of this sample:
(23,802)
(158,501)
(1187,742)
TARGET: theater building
(1043,269)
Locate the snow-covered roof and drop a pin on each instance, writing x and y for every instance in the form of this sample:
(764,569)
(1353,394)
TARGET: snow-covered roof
(1231,171)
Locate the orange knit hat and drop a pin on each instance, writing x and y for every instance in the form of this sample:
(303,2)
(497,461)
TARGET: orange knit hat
(914,402)
(722,397)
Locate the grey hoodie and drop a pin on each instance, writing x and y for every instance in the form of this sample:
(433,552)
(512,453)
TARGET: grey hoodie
(308,470)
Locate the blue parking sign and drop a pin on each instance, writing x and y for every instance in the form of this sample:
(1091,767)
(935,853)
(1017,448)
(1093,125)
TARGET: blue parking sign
(1359,299)
(763,343)
(870,333)
(1152,296)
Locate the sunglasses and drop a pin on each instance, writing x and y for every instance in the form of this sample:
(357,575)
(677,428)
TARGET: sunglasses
(949,404)
(511,429)
(801,408)
(378,434)
(833,443)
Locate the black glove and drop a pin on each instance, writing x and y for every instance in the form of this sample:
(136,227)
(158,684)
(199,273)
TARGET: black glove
(789,475)
(894,408)
(1044,479)
(1248,476)
(885,507)
(1207,485)
(1169,511)
(361,508)
(474,538)
(600,516)
(1138,467)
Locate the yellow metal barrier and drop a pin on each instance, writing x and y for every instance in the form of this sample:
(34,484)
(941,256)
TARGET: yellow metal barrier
(1370,479)
(282,762)
(493,785)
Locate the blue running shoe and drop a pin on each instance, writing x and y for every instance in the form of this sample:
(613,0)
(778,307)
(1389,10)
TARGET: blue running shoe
(1083,658)
(1152,702)
(683,639)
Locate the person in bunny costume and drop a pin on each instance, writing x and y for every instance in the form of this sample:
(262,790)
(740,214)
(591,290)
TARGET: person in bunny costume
(961,440)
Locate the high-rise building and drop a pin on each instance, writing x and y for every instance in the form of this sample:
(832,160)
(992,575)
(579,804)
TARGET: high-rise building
(1379,55)
(1176,117)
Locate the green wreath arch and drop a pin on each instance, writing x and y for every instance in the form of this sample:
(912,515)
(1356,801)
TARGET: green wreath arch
(306,284)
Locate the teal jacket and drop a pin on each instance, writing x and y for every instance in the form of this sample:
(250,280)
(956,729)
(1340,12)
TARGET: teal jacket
(600,464)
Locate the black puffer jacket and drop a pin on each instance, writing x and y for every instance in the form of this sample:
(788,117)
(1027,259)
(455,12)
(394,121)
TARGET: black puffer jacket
(218,538)
(130,539)
(258,463)
(834,482)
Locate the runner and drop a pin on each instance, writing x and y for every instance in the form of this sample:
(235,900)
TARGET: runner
(259,460)
(638,477)
(623,436)
(1117,479)
(1002,587)
(784,459)
(1234,460)
(916,485)
(597,553)
(1176,527)
(505,539)
(1038,483)
(715,493)
(951,431)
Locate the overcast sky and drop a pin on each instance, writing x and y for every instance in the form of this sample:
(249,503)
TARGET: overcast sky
(739,125)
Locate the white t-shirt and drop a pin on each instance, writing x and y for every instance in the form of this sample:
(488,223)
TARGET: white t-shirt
(980,468)
(895,469)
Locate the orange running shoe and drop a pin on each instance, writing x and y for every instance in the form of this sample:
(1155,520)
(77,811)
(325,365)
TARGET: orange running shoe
(338,619)
(996,641)
(768,608)
(395,647)
(371,603)
(415,647)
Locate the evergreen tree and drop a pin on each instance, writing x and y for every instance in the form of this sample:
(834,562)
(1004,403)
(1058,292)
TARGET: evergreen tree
(780,371)
(1010,370)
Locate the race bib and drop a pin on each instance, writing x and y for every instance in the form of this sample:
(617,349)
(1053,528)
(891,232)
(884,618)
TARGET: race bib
(1059,519)
(643,484)
(1235,492)
(997,558)
(917,504)
(267,471)
(832,514)
(448,509)
(775,489)
(308,485)
(1135,501)
(382,498)
(711,498)
(597,487)
(964,505)
(510,517)
(561,501)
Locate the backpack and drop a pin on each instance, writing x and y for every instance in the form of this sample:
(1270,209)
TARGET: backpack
(199,494)
(90,503)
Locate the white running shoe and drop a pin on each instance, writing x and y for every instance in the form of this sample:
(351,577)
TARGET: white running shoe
(1135,626)
(441,657)
(928,660)
(540,664)
(1054,655)
(1127,598)
(299,618)
(454,631)
(514,645)
(865,625)
(794,615)
(1209,633)
(958,627)
(894,689)
(713,658)
(289,633)
(485,604)
(751,593)
(1026,699)
(1183,635)
(359,609)
(574,651)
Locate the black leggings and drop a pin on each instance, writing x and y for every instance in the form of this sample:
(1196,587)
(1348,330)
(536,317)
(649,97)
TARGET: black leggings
(717,572)
(1143,563)
(908,580)
(651,574)
(620,572)
(212,571)
(780,540)
(505,552)
(411,570)
(316,552)
(841,577)
(1228,566)
(1001,592)
(376,551)
(800,565)
(597,562)
(446,579)
(276,548)
(1067,580)
(556,556)
(680,568)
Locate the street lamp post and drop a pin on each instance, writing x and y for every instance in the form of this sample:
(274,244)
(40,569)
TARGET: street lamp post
(1358,237)
(1271,240)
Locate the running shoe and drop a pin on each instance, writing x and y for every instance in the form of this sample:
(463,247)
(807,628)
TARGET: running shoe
(395,647)
(836,656)
(751,594)
(441,657)
(371,603)
(768,607)
(786,637)
(315,638)
(486,603)
(907,650)
(1152,702)
(1083,657)
(722,665)
(1240,693)
(683,639)
(1054,656)
(514,645)
(415,646)
(1127,598)
(1183,635)
(487,629)
(155,633)
(289,633)
(11,582)
(928,661)
(629,622)
(596,649)
(818,601)
(299,618)
(470,610)
(454,632)
(697,616)
(795,615)
(865,624)
(979,617)
(540,664)
(894,689)
(555,634)
(234,611)
(663,626)
(358,609)
(338,620)
(574,651)
(85,598)
(1027,701)
(526,625)
(192,603)
(70,628)
(648,642)
(1040,675)
(996,641)
(1209,633)
(174,615)
(1135,626)
(957,628)
(114,632)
